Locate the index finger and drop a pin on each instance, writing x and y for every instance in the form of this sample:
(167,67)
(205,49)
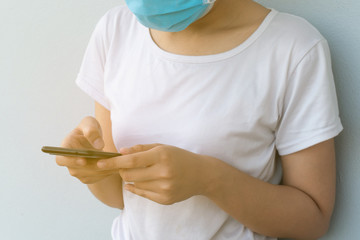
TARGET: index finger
(135,160)
(72,162)
(91,129)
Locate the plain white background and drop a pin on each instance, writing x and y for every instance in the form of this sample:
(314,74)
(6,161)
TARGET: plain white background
(41,47)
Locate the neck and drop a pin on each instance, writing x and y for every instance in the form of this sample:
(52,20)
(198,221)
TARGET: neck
(225,14)
(228,24)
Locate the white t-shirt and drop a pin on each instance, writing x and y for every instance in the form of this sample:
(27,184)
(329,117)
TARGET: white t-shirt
(274,92)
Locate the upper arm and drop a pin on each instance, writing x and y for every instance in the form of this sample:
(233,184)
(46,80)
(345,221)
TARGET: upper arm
(102,115)
(313,171)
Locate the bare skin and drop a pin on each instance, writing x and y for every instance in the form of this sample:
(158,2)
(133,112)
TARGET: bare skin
(300,208)
(228,24)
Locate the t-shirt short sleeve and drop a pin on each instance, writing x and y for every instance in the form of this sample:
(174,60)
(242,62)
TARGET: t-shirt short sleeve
(91,75)
(310,112)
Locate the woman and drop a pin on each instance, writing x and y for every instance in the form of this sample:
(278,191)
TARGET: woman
(225,113)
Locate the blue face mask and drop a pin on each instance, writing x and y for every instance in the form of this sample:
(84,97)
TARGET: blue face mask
(169,15)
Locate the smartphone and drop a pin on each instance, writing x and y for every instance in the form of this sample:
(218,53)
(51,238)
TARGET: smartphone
(71,152)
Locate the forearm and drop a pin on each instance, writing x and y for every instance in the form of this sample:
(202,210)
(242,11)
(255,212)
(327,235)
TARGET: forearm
(109,191)
(271,210)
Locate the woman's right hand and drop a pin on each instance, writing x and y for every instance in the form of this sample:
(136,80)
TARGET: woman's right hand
(87,135)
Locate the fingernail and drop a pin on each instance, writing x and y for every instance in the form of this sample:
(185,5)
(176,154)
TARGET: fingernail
(124,150)
(98,143)
(101,164)
(80,162)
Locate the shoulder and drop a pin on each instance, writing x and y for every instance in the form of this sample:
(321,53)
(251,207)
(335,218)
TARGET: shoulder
(292,32)
(289,38)
(118,12)
(294,28)
(295,23)
(117,18)
(117,25)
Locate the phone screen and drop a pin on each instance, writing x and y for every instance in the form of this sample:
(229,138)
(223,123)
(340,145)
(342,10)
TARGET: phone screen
(71,152)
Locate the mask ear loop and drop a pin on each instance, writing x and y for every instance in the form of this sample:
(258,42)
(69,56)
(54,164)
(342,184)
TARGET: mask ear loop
(211,4)
(208,1)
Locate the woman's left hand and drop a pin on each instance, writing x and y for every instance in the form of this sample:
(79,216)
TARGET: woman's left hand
(161,173)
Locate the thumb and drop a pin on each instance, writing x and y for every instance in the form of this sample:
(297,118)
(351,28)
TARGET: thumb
(139,148)
(91,130)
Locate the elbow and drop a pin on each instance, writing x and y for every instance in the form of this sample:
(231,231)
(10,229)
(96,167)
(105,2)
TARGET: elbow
(316,231)
(323,224)
(113,204)
(323,228)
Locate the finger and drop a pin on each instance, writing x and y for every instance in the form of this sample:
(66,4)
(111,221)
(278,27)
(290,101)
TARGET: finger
(153,196)
(76,139)
(67,161)
(76,162)
(136,160)
(91,180)
(152,185)
(87,173)
(139,174)
(71,162)
(91,129)
(138,148)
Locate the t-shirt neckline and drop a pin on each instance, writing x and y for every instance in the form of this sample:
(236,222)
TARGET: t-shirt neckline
(213,57)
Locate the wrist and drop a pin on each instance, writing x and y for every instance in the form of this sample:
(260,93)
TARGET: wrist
(210,176)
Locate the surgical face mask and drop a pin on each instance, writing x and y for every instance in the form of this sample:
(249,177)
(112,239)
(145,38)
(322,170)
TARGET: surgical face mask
(169,15)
